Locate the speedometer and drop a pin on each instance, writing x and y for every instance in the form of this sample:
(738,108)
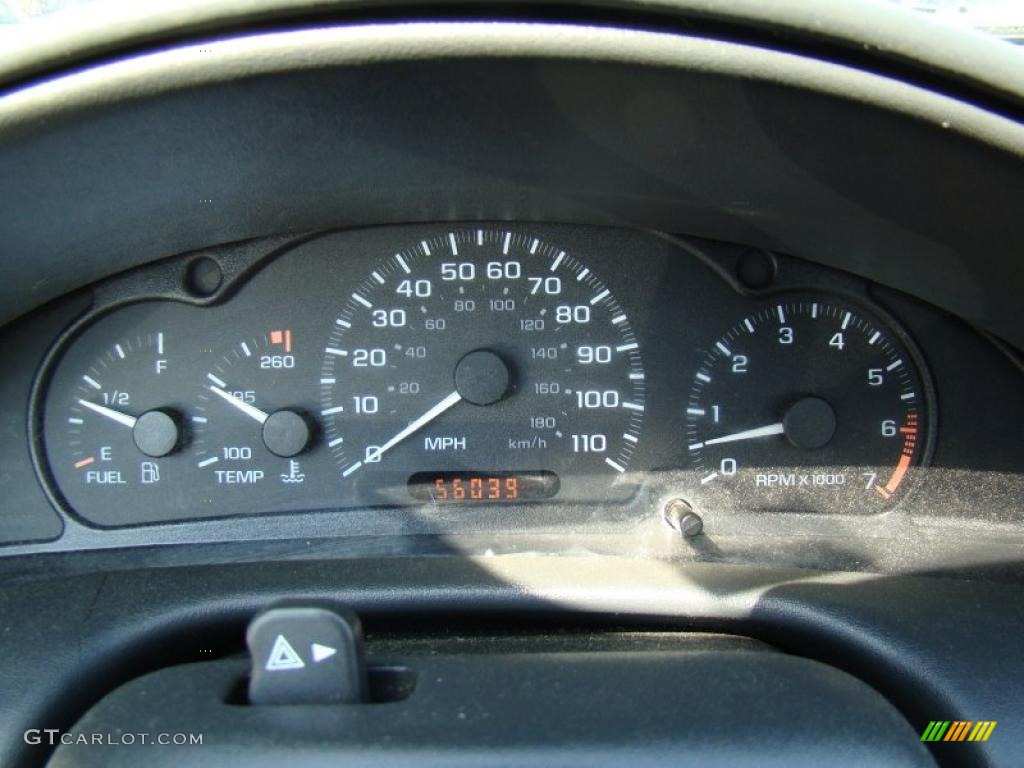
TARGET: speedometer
(484,366)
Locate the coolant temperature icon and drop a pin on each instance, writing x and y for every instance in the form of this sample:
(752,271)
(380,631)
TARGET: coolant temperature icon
(294,473)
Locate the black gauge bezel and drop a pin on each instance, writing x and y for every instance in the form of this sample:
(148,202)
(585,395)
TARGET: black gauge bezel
(860,301)
(165,281)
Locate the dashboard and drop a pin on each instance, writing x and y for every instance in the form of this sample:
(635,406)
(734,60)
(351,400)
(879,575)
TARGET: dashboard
(475,378)
(578,383)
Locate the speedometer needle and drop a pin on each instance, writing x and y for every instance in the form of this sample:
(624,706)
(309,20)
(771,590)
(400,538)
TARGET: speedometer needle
(110,413)
(749,434)
(374,454)
(249,410)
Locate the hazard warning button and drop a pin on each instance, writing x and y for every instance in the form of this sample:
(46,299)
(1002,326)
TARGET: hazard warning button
(306,655)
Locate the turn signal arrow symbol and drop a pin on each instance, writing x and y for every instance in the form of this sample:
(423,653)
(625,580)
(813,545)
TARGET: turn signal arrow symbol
(321,652)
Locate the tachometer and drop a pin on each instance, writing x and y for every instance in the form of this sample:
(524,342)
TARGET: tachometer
(481,365)
(807,405)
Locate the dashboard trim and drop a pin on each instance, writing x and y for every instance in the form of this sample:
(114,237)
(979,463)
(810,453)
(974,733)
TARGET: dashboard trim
(158,80)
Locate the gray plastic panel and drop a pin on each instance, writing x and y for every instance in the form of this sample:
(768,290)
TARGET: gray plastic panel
(342,126)
(936,648)
(27,512)
(547,707)
(890,35)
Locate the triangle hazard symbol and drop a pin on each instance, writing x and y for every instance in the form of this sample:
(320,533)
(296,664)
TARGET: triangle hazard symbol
(283,656)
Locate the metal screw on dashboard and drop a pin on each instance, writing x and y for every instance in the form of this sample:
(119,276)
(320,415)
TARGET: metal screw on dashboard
(679,516)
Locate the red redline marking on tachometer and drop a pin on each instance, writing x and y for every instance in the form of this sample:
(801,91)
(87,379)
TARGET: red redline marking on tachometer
(906,456)
(897,476)
(84,462)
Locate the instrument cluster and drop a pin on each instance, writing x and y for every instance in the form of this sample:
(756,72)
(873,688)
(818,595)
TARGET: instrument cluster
(455,368)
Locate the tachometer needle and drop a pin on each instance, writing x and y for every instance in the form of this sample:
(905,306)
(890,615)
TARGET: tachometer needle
(414,426)
(749,434)
(110,413)
(249,410)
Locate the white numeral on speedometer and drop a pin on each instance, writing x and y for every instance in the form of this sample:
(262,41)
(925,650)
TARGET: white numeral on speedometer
(481,359)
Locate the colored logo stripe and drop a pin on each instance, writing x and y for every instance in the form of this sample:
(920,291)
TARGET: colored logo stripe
(935,730)
(982,730)
(958,730)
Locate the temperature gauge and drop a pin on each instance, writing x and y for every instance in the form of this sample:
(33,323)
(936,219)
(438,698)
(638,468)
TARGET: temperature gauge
(252,432)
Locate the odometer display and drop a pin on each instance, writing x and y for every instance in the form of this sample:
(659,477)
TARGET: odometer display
(455,487)
(481,347)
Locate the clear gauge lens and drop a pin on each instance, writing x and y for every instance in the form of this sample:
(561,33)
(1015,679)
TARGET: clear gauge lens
(481,361)
(807,405)
(115,427)
(252,432)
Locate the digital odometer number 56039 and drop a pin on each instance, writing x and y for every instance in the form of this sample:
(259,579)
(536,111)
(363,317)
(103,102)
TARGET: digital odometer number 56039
(482,352)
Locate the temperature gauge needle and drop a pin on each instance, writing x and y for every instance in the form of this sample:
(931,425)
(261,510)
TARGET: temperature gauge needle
(749,434)
(249,410)
(110,413)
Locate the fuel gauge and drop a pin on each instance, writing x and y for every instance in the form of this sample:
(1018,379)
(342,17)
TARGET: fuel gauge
(115,427)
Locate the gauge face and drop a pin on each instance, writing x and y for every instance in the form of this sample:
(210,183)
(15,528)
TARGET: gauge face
(118,428)
(468,366)
(253,435)
(807,405)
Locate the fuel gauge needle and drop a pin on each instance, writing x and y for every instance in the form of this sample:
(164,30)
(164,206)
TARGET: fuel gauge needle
(110,413)
(249,410)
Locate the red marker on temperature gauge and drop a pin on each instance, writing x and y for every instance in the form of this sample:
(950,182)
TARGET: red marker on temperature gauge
(282,337)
